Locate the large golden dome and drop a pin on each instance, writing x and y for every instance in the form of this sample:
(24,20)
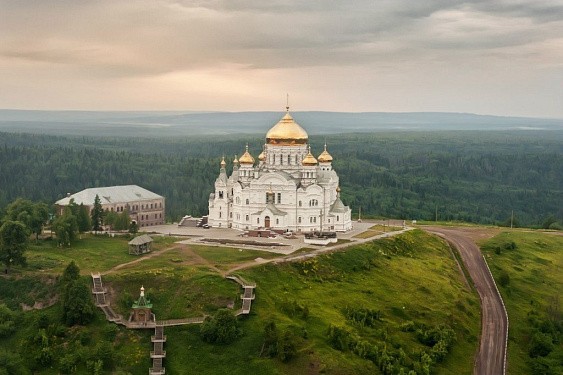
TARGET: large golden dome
(287,132)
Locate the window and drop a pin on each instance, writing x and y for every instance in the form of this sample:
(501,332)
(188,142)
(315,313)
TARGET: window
(151,205)
(220,214)
(337,218)
(277,221)
(300,204)
(247,201)
(288,159)
(247,218)
(279,197)
(274,157)
(281,159)
(257,220)
(299,219)
(220,195)
(296,160)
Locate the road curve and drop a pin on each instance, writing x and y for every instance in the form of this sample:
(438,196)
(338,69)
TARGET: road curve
(494,321)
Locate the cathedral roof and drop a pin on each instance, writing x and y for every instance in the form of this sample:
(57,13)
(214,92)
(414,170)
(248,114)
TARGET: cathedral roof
(287,132)
(338,206)
(246,158)
(273,209)
(325,157)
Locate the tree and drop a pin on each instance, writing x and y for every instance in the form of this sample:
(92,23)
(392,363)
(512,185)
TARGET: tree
(71,273)
(83,219)
(78,307)
(97,214)
(133,227)
(222,328)
(33,215)
(14,237)
(65,227)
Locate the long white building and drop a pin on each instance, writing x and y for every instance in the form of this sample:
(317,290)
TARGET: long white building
(287,189)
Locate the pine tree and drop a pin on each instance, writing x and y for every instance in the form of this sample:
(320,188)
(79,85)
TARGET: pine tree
(97,214)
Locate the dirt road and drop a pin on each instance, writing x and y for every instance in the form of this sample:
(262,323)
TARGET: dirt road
(494,322)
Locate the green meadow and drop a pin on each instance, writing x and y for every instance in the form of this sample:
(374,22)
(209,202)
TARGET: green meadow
(527,268)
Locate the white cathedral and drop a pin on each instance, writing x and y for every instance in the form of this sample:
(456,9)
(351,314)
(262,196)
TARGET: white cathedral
(289,189)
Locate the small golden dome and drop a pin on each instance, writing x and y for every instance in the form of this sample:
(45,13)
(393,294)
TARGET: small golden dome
(246,158)
(325,157)
(223,163)
(262,155)
(287,132)
(338,189)
(309,159)
(235,160)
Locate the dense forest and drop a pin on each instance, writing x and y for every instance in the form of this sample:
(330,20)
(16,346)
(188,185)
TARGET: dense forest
(465,175)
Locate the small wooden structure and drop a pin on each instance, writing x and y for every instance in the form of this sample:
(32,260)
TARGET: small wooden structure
(142,309)
(140,245)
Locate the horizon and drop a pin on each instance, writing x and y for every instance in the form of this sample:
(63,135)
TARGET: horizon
(195,111)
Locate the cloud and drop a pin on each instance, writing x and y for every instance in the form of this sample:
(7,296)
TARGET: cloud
(123,40)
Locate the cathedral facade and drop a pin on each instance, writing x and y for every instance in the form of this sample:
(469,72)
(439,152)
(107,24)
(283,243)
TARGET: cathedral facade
(286,189)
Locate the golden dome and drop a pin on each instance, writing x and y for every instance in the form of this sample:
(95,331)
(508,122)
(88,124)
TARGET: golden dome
(223,163)
(246,158)
(235,160)
(286,132)
(309,159)
(262,155)
(338,189)
(325,157)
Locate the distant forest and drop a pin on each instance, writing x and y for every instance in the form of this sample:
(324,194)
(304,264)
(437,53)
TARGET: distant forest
(474,176)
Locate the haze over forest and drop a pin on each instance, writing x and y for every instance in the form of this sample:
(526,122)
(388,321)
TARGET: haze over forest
(176,123)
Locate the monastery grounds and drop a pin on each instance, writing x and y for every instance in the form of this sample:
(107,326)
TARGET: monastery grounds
(197,235)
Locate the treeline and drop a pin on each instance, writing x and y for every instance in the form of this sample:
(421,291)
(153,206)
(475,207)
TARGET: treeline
(470,176)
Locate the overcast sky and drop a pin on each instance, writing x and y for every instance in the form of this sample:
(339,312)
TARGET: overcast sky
(487,57)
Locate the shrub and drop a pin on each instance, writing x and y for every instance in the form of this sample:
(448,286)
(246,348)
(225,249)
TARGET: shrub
(503,279)
(222,328)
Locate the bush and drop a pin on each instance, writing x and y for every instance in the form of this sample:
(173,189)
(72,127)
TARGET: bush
(540,345)
(503,279)
(287,349)
(222,328)
(7,321)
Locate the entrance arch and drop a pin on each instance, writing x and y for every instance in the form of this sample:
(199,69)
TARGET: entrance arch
(267,222)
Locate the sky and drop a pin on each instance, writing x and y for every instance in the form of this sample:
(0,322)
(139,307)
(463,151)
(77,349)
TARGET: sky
(488,57)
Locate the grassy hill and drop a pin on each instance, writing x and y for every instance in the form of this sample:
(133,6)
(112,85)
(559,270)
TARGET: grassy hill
(382,305)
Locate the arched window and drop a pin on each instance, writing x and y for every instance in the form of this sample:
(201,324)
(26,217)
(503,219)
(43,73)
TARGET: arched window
(257,220)
(299,219)
(247,201)
(279,197)
(281,159)
(288,159)
(300,203)
(247,218)
(277,221)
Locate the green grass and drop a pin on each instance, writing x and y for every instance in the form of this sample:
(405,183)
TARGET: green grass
(91,253)
(222,257)
(535,280)
(409,278)
(174,293)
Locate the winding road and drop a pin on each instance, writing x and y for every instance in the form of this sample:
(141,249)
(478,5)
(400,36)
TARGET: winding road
(491,358)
